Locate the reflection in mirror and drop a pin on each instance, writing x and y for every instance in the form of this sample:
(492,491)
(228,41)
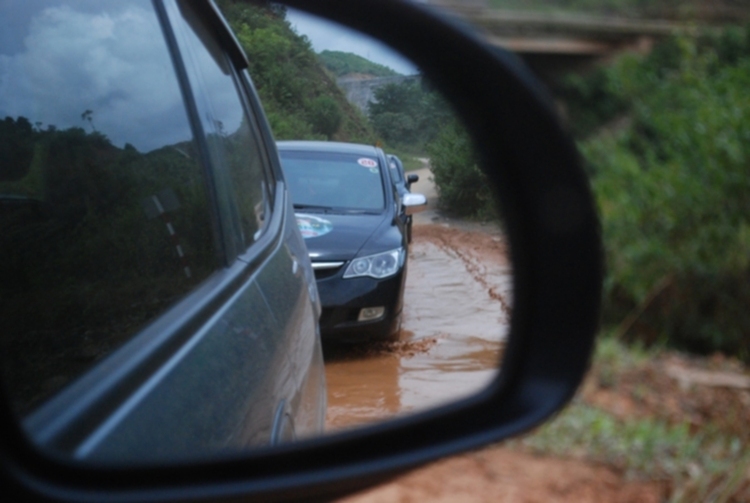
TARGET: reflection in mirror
(97,165)
(135,195)
(457,296)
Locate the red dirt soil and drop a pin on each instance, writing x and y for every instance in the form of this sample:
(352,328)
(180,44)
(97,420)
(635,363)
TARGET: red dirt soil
(501,475)
(672,387)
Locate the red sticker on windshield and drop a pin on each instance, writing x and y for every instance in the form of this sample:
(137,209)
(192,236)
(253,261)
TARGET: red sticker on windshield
(367,163)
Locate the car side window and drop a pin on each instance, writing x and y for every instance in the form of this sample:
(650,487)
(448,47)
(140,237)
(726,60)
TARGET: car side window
(239,160)
(105,220)
(395,173)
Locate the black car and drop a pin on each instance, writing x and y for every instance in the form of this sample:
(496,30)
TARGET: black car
(354,224)
(403,182)
(156,297)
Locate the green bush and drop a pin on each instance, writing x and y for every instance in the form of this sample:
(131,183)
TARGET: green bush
(590,101)
(462,186)
(325,116)
(674,195)
(408,114)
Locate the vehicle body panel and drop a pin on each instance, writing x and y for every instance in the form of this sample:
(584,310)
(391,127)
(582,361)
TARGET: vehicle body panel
(402,182)
(221,353)
(347,234)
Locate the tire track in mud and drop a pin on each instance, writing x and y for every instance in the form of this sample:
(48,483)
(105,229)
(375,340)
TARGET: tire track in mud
(456,307)
(476,251)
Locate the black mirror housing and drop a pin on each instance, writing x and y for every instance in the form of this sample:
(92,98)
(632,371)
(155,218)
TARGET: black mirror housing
(555,249)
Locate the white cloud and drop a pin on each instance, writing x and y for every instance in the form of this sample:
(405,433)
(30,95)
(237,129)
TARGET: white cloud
(114,64)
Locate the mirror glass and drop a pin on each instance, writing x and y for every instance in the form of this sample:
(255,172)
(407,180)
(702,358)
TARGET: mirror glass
(457,296)
(135,189)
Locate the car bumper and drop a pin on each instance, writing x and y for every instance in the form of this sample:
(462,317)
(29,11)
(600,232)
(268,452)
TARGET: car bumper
(343,300)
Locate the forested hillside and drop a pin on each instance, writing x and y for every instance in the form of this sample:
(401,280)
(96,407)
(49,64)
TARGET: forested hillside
(300,98)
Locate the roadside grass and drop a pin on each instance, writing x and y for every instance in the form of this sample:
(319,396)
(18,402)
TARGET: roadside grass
(703,465)
(409,159)
(612,353)
(411,163)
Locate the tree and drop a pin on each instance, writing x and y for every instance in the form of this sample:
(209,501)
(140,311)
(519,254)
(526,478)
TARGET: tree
(463,187)
(674,195)
(325,116)
(407,114)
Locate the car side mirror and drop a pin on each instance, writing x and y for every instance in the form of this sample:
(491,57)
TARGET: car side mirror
(412,179)
(555,247)
(414,203)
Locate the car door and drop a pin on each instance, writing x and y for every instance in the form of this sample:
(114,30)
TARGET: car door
(395,189)
(242,150)
(154,302)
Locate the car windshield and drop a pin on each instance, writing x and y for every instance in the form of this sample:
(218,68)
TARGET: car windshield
(333,181)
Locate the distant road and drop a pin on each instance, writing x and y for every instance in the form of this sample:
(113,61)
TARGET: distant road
(426,186)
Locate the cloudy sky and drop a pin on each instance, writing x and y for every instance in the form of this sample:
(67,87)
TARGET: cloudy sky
(325,35)
(64,61)
(56,63)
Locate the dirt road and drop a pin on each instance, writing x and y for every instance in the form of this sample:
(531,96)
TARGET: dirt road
(457,304)
(456,308)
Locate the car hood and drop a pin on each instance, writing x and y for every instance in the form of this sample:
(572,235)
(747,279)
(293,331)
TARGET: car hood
(331,236)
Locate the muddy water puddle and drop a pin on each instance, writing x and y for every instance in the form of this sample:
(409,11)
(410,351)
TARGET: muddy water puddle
(455,320)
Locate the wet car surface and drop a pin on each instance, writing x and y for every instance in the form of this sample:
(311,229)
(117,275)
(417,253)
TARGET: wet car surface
(149,253)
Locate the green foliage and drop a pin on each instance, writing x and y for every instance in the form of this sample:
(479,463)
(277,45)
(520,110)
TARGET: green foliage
(344,63)
(408,114)
(642,447)
(299,97)
(590,101)
(410,161)
(325,116)
(396,128)
(462,186)
(674,194)
(612,354)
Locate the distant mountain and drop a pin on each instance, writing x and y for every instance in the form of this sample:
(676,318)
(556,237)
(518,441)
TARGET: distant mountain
(346,63)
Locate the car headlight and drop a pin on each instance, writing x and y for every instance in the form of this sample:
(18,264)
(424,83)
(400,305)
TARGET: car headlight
(377,266)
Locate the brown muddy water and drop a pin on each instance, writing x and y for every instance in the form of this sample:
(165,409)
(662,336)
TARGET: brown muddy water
(455,320)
